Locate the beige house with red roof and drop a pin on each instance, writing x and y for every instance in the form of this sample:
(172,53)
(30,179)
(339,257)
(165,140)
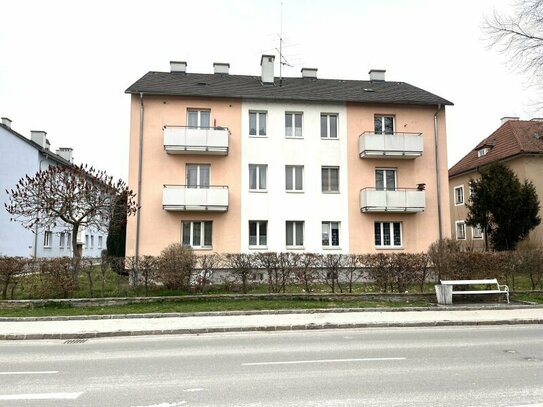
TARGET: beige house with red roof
(518,144)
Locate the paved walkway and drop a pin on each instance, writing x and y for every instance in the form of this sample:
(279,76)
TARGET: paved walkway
(157,324)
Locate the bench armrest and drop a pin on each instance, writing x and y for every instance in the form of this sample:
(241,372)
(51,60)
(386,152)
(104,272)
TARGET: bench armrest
(505,288)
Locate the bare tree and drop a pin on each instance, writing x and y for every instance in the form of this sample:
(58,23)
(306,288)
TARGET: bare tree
(75,196)
(520,37)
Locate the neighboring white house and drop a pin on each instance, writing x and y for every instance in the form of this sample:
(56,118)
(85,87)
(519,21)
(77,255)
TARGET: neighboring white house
(21,156)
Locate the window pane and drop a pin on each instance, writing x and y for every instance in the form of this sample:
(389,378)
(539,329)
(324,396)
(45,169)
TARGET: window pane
(288,177)
(391,180)
(335,233)
(208,233)
(252,176)
(325,233)
(192,176)
(386,233)
(379,180)
(252,233)
(204,176)
(186,233)
(205,118)
(397,234)
(324,126)
(196,233)
(389,125)
(378,124)
(263,231)
(333,126)
(262,176)
(288,124)
(298,124)
(193,118)
(299,178)
(299,233)
(334,179)
(324,179)
(377,229)
(290,233)
(252,124)
(262,124)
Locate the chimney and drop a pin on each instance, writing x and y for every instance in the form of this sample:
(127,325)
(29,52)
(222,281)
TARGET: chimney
(178,66)
(39,137)
(309,73)
(221,67)
(377,75)
(266,62)
(507,118)
(6,122)
(66,153)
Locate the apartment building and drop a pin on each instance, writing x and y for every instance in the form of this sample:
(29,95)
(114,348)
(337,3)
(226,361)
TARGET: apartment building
(238,163)
(516,143)
(22,156)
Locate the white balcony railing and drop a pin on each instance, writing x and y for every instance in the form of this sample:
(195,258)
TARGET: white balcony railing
(196,140)
(398,200)
(395,145)
(185,198)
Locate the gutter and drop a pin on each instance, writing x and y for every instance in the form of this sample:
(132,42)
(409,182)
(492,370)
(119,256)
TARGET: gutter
(140,161)
(438,182)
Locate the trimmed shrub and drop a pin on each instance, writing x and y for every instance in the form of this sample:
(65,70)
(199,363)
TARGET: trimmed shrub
(175,266)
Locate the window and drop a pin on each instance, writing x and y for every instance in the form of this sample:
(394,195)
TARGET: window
(257,177)
(47,239)
(384,124)
(330,179)
(293,124)
(100,242)
(199,118)
(86,240)
(197,234)
(477,232)
(330,234)
(385,179)
(258,233)
(257,123)
(388,234)
(68,240)
(62,242)
(460,230)
(295,234)
(92,242)
(328,125)
(294,177)
(459,195)
(198,175)
(483,151)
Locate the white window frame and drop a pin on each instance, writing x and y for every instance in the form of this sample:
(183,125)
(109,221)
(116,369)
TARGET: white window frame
(385,171)
(258,118)
(199,183)
(258,224)
(199,118)
(290,174)
(382,118)
(482,152)
(480,235)
(328,128)
(329,225)
(68,241)
(328,178)
(47,239)
(259,168)
(293,125)
(390,224)
(203,235)
(293,224)
(458,235)
(457,202)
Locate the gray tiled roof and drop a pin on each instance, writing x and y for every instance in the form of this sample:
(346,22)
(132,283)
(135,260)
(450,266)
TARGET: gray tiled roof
(300,89)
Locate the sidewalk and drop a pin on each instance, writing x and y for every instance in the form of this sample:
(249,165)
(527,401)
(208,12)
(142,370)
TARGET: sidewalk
(160,324)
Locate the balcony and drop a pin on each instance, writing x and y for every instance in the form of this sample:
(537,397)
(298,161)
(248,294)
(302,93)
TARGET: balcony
(196,140)
(395,145)
(398,200)
(185,198)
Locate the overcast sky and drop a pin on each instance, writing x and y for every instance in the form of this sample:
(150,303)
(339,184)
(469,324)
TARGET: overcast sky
(64,65)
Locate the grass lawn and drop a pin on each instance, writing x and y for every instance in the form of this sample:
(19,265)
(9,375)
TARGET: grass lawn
(202,306)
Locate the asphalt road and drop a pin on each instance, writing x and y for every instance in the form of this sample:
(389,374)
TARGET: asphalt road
(460,366)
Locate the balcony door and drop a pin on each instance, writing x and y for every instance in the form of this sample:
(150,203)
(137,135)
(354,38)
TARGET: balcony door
(198,175)
(385,179)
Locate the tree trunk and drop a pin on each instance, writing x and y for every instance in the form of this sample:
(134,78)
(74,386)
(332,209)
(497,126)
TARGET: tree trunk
(76,253)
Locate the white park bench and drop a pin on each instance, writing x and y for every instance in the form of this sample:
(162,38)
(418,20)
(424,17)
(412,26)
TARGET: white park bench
(446,291)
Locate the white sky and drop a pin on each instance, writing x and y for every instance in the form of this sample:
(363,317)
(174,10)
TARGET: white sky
(64,65)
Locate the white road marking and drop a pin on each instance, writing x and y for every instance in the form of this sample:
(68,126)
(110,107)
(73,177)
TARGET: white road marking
(41,396)
(300,362)
(30,372)
(193,390)
(165,404)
